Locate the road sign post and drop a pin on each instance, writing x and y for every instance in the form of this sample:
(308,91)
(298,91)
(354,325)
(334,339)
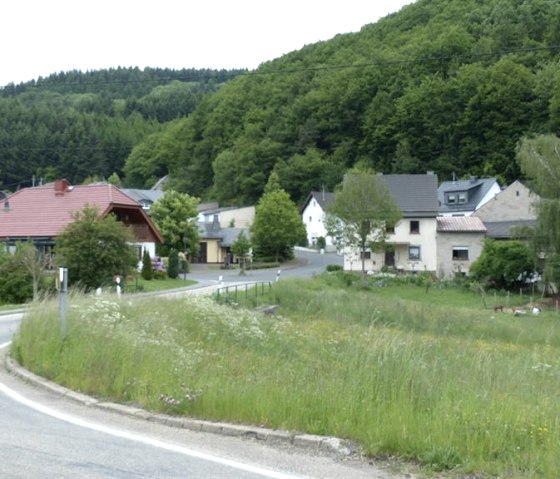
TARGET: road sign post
(63,278)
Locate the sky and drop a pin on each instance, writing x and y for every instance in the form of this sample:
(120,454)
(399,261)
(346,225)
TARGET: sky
(41,37)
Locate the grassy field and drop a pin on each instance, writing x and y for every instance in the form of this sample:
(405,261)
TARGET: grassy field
(427,375)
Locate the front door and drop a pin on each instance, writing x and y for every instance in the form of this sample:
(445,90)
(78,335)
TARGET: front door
(390,258)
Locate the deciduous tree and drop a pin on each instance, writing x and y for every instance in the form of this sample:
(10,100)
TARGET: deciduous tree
(362,209)
(278,226)
(94,249)
(175,216)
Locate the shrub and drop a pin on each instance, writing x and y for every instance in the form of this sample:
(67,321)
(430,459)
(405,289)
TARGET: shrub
(147,268)
(333,267)
(173,268)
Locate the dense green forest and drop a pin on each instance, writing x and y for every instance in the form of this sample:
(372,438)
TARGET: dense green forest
(443,85)
(84,125)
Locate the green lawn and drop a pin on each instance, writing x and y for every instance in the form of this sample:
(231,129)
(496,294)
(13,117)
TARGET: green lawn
(142,285)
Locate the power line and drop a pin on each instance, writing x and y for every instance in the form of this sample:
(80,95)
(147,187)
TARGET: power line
(49,83)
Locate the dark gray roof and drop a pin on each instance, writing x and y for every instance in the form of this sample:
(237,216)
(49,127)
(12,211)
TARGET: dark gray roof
(324,198)
(416,195)
(226,236)
(143,196)
(476,189)
(229,235)
(503,229)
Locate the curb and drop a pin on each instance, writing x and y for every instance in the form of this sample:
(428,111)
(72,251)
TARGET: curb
(308,441)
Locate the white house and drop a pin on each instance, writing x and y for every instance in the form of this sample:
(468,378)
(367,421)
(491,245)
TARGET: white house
(464,197)
(313,215)
(411,245)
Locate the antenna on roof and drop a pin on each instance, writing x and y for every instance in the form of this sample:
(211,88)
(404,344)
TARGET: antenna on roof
(323,191)
(454,177)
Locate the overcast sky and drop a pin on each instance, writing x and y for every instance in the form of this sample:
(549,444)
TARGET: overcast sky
(40,37)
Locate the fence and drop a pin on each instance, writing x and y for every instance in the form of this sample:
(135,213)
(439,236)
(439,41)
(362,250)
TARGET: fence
(228,294)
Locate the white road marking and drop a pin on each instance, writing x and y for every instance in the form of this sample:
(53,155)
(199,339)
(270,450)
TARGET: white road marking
(141,439)
(137,437)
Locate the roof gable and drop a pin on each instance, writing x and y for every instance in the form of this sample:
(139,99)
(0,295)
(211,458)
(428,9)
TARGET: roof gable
(323,199)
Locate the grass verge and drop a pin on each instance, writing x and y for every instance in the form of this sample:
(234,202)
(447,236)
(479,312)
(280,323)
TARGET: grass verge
(445,383)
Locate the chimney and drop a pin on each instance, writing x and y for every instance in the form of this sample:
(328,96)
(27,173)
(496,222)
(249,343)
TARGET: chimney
(60,187)
(7,205)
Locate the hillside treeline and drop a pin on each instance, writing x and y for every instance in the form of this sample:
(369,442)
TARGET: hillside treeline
(443,85)
(84,125)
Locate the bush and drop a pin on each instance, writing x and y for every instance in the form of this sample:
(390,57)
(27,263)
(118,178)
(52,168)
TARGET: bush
(173,264)
(16,284)
(333,267)
(147,268)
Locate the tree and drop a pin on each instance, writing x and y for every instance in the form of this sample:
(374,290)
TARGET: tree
(361,211)
(503,264)
(175,216)
(147,267)
(94,249)
(173,264)
(241,248)
(278,226)
(539,159)
(15,281)
(34,262)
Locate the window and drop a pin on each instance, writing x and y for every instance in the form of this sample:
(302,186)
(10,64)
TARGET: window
(462,198)
(451,199)
(310,219)
(414,253)
(415,227)
(460,253)
(390,230)
(365,255)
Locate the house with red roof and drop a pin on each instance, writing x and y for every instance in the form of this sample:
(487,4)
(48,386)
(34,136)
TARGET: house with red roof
(41,213)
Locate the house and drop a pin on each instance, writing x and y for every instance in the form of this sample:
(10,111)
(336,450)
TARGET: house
(460,241)
(219,229)
(463,197)
(509,211)
(227,217)
(411,244)
(40,213)
(313,215)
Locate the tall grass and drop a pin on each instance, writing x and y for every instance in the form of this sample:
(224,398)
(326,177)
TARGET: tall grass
(455,388)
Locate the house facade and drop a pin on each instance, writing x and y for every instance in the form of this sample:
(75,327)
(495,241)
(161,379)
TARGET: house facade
(460,241)
(219,229)
(464,197)
(41,213)
(510,210)
(313,214)
(411,245)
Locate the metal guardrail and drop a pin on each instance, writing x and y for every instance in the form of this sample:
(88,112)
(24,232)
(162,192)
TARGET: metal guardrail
(233,293)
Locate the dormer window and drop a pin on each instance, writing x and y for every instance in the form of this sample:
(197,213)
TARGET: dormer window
(451,199)
(462,197)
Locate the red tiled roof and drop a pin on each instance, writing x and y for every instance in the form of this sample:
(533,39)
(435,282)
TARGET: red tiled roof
(469,224)
(44,212)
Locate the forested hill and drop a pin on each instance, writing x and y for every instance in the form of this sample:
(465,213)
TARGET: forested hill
(84,125)
(443,85)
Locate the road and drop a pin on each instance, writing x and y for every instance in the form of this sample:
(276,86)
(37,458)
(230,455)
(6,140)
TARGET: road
(44,434)
(306,264)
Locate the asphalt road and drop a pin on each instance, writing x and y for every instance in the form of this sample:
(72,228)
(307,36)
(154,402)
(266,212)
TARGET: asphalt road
(47,435)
